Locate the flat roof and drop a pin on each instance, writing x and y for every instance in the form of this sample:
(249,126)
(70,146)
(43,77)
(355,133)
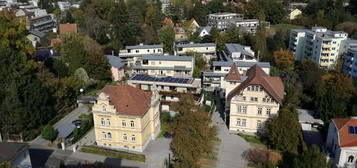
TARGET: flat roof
(167,57)
(144,46)
(10,150)
(162,68)
(197,45)
(241,64)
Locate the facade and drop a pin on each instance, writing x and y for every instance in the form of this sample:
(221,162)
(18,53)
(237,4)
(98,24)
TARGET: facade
(350,63)
(126,117)
(318,44)
(35,37)
(341,141)
(251,102)
(164,65)
(170,88)
(63,5)
(208,50)
(43,23)
(117,67)
(204,31)
(132,54)
(16,154)
(220,69)
(237,52)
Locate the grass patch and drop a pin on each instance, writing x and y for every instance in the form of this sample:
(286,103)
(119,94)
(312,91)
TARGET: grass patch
(251,139)
(283,26)
(113,153)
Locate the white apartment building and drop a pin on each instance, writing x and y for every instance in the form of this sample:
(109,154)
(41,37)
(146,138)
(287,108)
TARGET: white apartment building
(318,44)
(251,99)
(131,54)
(350,63)
(212,79)
(208,50)
(223,20)
(237,52)
(165,65)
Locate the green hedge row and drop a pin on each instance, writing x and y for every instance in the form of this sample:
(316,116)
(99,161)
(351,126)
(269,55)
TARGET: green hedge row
(113,153)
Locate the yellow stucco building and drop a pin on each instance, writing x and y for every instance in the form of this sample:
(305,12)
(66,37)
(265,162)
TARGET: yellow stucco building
(126,117)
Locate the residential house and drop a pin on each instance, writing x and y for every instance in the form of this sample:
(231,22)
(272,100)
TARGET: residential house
(318,44)
(308,120)
(116,67)
(35,37)
(180,34)
(67,28)
(164,65)
(132,54)
(212,79)
(167,21)
(349,65)
(342,141)
(237,52)
(294,13)
(253,101)
(63,5)
(204,31)
(208,50)
(16,154)
(193,26)
(126,117)
(43,23)
(170,88)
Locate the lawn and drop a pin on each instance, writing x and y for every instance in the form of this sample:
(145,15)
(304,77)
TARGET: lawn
(113,153)
(254,141)
(278,27)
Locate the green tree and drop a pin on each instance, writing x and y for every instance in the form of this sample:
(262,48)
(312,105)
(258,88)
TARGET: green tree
(284,59)
(310,159)
(284,132)
(193,134)
(5,164)
(167,37)
(48,133)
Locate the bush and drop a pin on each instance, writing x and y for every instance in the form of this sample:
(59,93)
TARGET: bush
(113,153)
(49,133)
(31,134)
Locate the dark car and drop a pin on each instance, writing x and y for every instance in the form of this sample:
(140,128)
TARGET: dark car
(77,123)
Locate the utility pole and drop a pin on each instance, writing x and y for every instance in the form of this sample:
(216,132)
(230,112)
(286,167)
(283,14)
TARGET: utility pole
(258,55)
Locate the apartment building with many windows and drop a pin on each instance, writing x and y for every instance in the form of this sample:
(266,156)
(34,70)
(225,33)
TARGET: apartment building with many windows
(131,54)
(126,117)
(253,101)
(165,65)
(318,44)
(208,50)
(349,65)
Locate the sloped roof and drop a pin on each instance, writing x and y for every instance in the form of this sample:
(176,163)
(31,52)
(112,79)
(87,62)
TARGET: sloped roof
(345,138)
(256,76)
(115,61)
(128,100)
(233,74)
(67,28)
(167,21)
(10,150)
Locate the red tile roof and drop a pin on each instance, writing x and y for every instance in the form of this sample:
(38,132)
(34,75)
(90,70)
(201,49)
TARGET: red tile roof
(233,74)
(67,28)
(256,76)
(345,138)
(167,21)
(128,100)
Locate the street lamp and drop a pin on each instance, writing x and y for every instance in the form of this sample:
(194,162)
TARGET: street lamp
(81,90)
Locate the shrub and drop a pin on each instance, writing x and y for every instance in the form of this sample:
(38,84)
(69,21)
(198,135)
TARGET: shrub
(49,133)
(113,153)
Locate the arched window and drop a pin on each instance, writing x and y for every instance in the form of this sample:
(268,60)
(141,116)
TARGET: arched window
(132,125)
(109,136)
(125,137)
(350,159)
(102,121)
(103,108)
(133,139)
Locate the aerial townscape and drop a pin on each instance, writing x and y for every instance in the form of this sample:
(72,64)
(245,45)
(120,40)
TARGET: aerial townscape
(178,83)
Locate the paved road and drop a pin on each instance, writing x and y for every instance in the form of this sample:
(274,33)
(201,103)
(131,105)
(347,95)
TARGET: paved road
(65,120)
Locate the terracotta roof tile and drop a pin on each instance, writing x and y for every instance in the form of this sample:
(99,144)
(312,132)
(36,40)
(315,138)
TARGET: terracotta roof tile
(167,21)
(345,138)
(128,100)
(256,76)
(67,28)
(233,74)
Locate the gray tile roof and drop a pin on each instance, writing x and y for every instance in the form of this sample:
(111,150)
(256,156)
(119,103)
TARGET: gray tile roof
(167,57)
(10,150)
(231,47)
(241,64)
(208,28)
(144,46)
(197,45)
(115,61)
(65,130)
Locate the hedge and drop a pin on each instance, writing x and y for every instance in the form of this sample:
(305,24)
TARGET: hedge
(113,153)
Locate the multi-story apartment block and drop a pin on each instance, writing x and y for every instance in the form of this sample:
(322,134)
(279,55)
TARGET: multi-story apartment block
(350,63)
(126,117)
(224,20)
(318,44)
(132,54)
(44,23)
(237,52)
(253,99)
(164,65)
(170,88)
(208,50)
(220,69)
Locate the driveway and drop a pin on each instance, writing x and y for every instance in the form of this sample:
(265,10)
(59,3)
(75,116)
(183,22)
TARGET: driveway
(64,121)
(231,146)
(156,152)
